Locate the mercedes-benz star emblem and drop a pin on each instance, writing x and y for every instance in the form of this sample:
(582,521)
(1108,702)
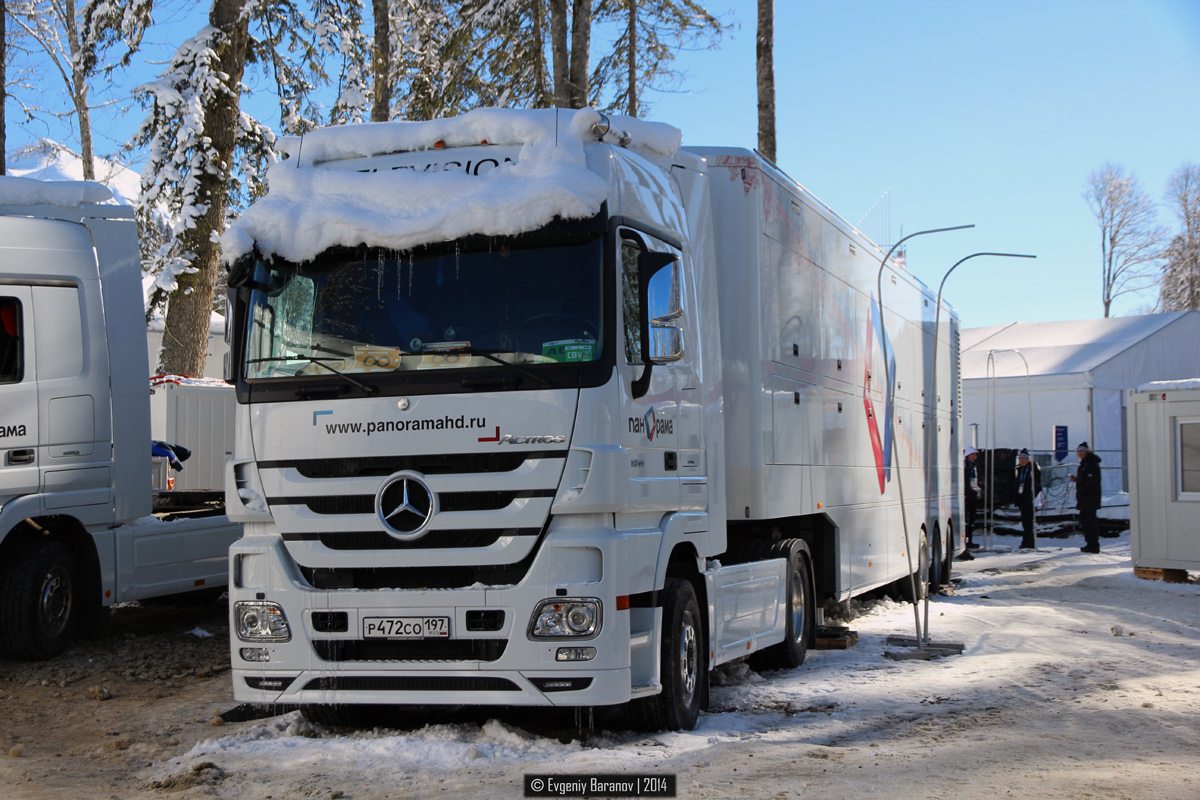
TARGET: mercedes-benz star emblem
(405,505)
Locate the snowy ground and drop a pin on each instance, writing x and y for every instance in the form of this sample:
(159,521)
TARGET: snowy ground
(1078,681)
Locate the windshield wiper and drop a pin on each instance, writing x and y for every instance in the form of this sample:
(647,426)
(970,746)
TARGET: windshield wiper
(367,388)
(491,356)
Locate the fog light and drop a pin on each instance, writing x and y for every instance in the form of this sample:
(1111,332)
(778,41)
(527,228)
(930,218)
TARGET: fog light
(566,617)
(255,654)
(261,622)
(575,654)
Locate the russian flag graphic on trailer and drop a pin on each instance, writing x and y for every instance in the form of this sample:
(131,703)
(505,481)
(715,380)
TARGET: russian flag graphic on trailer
(650,425)
(882,449)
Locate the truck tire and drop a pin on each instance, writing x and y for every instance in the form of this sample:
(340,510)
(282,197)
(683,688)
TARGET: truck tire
(936,563)
(682,666)
(948,559)
(913,589)
(38,601)
(800,611)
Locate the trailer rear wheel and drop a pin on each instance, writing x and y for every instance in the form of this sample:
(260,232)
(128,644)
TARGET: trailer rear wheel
(936,562)
(800,611)
(38,601)
(914,588)
(682,665)
(948,559)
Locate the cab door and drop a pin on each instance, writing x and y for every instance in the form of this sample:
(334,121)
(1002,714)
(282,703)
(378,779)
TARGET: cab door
(651,431)
(18,394)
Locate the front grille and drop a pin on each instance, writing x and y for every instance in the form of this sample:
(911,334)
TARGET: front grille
(457,577)
(432,464)
(405,683)
(378,540)
(330,621)
(415,650)
(447,501)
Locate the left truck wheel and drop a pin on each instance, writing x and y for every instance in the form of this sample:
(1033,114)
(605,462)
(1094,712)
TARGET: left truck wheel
(38,601)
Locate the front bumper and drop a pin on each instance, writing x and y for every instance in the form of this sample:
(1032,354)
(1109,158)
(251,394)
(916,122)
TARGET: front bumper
(499,665)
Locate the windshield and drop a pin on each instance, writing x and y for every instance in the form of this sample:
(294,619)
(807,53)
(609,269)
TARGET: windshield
(483,304)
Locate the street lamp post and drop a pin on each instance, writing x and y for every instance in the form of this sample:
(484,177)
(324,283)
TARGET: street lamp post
(930,437)
(887,378)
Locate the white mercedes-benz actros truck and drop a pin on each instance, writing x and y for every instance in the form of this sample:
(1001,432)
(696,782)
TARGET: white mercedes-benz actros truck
(540,408)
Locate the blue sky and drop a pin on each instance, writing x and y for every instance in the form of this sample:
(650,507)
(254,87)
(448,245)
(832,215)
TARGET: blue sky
(991,112)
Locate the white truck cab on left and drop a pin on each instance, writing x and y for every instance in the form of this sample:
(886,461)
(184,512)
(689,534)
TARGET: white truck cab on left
(77,528)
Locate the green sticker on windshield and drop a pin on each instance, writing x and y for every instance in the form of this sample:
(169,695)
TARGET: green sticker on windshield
(570,350)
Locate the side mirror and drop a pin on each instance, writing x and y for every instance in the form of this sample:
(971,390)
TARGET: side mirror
(240,272)
(650,266)
(662,301)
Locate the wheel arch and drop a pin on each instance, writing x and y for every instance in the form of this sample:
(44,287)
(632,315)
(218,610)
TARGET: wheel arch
(70,532)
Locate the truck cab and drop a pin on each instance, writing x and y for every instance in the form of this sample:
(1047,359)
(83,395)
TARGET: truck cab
(77,530)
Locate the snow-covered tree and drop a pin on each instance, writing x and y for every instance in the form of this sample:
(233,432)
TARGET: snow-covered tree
(641,58)
(381,62)
(1180,284)
(73,37)
(206,156)
(340,35)
(765,60)
(570,44)
(203,155)
(1130,237)
(3,84)
(510,48)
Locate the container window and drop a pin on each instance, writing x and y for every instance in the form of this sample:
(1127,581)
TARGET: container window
(1188,462)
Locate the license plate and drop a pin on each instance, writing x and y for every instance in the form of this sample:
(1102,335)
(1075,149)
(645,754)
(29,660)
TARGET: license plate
(406,627)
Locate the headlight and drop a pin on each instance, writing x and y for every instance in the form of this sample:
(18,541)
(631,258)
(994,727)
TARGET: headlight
(261,622)
(566,617)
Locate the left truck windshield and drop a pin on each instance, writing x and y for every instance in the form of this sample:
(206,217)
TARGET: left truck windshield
(449,306)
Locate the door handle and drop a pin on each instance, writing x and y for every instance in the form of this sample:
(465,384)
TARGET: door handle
(20,456)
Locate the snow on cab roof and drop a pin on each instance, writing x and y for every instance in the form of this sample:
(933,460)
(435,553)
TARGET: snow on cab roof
(308,210)
(30,192)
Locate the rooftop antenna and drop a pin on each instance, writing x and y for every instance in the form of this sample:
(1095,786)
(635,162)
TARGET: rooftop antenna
(877,222)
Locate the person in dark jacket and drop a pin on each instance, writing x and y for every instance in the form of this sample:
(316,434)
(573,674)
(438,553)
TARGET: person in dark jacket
(1029,488)
(972,496)
(1087,496)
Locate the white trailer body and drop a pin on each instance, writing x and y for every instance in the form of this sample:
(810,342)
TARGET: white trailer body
(76,526)
(491,497)
(1164,474)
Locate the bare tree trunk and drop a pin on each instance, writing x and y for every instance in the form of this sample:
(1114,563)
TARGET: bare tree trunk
(185,341)
(558,52)
(381,62)
(79,92)
(633,97)
(3,84)
(766,78)
(544,95)
(581,34)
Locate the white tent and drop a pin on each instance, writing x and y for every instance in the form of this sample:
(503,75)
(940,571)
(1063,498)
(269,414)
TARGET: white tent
(1078,376)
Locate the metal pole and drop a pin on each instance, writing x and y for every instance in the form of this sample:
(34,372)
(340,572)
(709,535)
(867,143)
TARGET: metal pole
(887,377)
(931,492)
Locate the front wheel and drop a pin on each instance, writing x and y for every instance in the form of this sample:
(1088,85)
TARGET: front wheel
(682,668)
(38,601)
